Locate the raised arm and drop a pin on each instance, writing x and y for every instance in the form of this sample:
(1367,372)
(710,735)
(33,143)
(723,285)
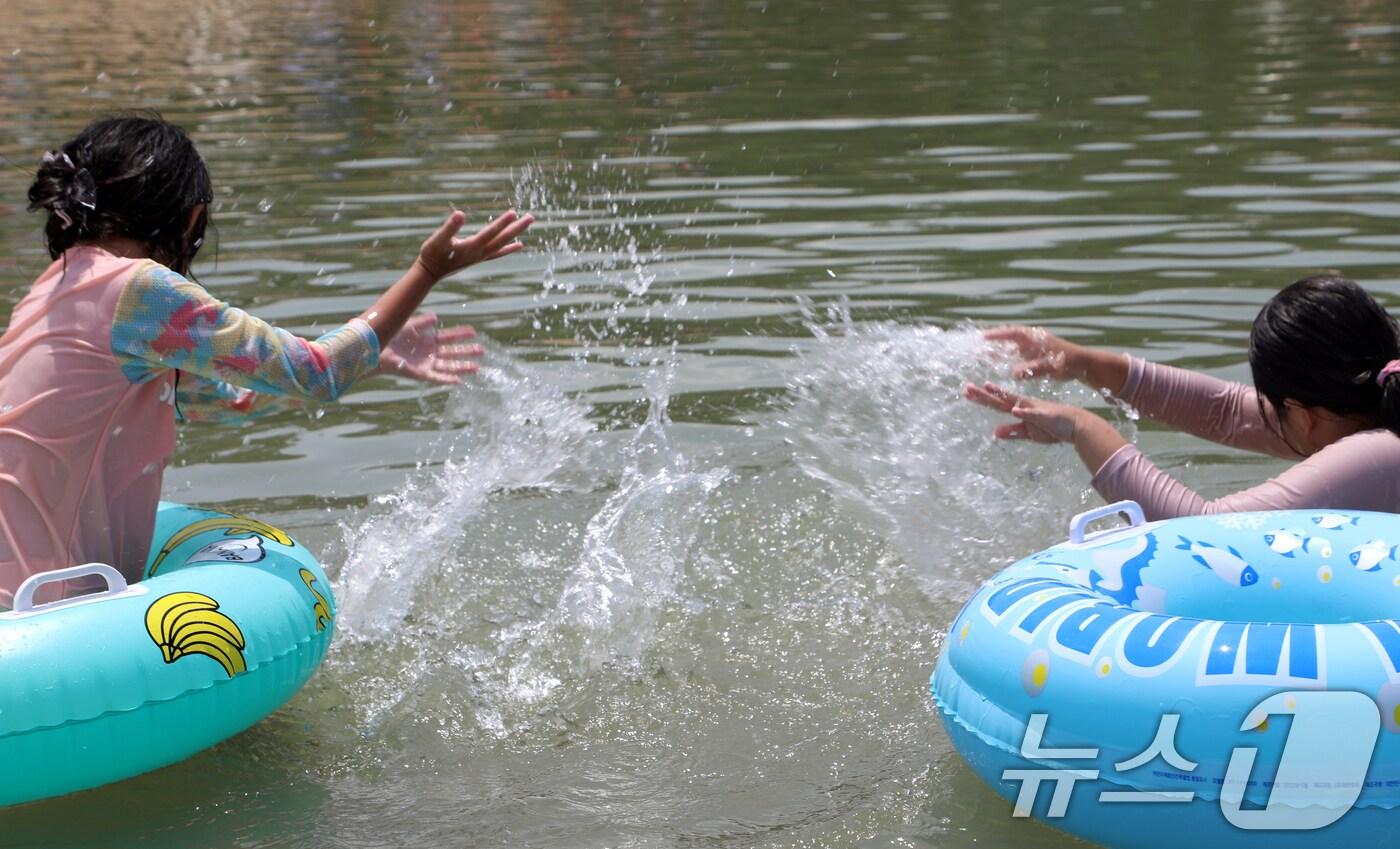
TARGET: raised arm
(163,320)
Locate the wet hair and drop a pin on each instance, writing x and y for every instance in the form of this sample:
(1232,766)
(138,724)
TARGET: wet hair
(133,175)
(1322,342)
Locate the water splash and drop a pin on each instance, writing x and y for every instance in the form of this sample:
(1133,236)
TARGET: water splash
(876,414)
(560,607)
(518,432)
(637,545)
(501,657)
(594,231)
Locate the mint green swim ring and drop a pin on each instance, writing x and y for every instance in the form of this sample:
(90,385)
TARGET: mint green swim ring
(231,618)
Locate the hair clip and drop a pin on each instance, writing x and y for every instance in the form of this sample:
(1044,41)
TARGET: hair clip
(53,157)
(84,189)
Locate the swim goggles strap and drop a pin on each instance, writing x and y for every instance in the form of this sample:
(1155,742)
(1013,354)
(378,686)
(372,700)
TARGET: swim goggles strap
(1392,367)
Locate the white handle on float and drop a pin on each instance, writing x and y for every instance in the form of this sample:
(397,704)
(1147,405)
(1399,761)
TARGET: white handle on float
(1129,508)
(24,596)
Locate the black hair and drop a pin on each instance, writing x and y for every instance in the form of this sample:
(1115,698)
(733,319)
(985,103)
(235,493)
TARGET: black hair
(1323,342)
(135,175)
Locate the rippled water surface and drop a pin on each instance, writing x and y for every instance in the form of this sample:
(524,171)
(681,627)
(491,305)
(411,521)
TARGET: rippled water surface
(674,569)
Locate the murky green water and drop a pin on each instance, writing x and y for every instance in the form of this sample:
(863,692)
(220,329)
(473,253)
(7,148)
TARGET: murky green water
(675,569)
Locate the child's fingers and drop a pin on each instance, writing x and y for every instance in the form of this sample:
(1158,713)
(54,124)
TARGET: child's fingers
(982,395)
(1002,394)
(520,226)
(506,250)
(456,334)
(456,367)
(420,322)
(443,235)
(458,352)
(494,228)
(1019,335)
(1005,332)
(446,374)
(507,236)
(1033,368)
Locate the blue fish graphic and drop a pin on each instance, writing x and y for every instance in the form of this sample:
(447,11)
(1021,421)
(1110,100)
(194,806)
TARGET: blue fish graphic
(1226,563)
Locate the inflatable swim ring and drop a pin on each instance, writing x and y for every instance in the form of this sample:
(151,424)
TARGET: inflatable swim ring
(1228,680)
(231,618)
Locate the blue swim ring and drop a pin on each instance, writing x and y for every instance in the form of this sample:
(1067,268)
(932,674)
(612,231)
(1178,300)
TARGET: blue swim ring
(232,617)
(1244,627)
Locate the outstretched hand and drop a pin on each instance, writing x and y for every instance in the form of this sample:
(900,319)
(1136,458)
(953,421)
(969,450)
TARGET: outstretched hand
(1048,422)
(1042,421)
(1042,353)
(424,351)
(443,254)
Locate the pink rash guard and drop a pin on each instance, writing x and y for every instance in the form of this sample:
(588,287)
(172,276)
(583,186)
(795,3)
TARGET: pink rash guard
(1357,472)
(100,359)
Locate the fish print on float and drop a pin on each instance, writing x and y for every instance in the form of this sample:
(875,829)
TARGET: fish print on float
(1289,543)
(1226,563)
(1332,521)
(1369,556)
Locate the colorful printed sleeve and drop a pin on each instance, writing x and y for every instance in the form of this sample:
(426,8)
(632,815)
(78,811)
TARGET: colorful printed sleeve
(164,321)
(199,399)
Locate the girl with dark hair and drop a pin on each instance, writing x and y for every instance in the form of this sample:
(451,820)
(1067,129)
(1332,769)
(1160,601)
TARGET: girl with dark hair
(114,343)
(1326,364)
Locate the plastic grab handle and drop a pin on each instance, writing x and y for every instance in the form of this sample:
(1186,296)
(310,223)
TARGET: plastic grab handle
(24,597)
(1080,522)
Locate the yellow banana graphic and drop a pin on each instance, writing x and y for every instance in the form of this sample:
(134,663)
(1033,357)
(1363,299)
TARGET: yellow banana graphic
(188,623)
(230,524)
(320,608)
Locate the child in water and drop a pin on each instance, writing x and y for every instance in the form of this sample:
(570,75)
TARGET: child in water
(113,344)
(1325,358)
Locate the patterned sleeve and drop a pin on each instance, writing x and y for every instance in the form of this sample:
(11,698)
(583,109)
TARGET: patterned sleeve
(164,321)
(199,399)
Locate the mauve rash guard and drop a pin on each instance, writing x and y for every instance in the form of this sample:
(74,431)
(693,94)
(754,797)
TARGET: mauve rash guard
(97,362)
(1357,472)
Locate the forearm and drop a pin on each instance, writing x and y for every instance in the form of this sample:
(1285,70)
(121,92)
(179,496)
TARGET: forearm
(394,308)
(1095,440)
(1103,369)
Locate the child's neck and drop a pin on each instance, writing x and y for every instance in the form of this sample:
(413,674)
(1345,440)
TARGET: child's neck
(122,246)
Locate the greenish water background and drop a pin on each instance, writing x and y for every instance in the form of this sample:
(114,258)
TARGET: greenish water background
(674,570)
